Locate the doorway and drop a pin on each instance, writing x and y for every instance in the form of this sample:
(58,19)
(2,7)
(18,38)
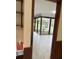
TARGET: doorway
(43,27)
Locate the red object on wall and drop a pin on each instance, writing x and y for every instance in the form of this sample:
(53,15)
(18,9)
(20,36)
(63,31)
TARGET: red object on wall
(19,46)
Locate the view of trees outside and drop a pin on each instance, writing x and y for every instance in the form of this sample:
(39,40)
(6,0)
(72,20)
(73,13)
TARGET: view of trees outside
(39,21)
(35,24)
(45,25)
(52,26)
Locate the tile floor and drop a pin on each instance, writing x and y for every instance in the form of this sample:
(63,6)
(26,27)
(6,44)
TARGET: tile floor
(41,46)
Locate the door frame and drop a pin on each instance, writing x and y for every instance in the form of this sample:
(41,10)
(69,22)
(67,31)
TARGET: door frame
(56,26)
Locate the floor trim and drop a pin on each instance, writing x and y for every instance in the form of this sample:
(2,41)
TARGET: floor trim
(27,53)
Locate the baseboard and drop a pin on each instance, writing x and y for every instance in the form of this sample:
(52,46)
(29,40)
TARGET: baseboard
(58,50)
(28,53)
(19,57)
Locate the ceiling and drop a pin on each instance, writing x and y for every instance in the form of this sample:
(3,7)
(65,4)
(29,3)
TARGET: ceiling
(44,8)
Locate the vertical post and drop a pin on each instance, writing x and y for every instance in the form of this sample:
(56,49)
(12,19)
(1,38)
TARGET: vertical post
(49,26)
(37,26)
(34,23)
(55,32)
(32,17)
(40,25)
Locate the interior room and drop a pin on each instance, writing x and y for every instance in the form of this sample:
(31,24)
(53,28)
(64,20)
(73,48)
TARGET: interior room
(44,17)
(38,29)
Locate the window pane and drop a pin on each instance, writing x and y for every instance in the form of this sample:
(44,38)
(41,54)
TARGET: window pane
(52,26)
(35,24)
(39,20)
(45,25)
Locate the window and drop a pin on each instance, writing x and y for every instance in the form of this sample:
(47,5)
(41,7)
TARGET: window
(45,25)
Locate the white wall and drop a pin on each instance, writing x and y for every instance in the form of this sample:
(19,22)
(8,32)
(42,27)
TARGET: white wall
(44,7)
(27,22)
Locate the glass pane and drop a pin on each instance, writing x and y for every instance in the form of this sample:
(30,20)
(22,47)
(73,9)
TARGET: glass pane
(52,26)
(39,20)
(45,25)
(35,24)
